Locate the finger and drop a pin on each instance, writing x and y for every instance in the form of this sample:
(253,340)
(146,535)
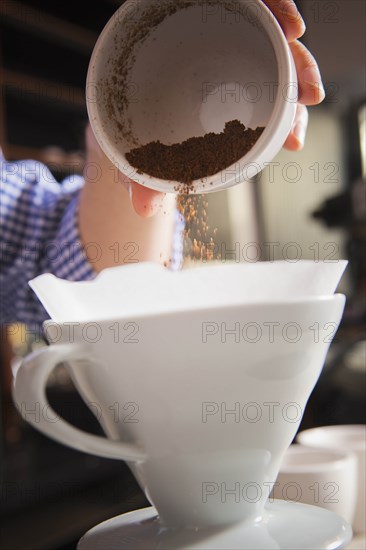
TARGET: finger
(145,201)
(288,17)
(296,138)
(311,89)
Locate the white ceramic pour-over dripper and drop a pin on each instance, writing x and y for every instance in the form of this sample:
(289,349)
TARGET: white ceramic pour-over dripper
(204,64)
(174,373)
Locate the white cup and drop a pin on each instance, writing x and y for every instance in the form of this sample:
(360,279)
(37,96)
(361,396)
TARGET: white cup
(325,478)
(203,65)
(351,438)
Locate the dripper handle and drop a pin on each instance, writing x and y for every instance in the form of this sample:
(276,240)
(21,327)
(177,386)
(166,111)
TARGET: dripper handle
(30,398)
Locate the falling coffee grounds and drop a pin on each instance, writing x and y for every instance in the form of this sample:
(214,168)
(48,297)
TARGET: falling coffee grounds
(197,157)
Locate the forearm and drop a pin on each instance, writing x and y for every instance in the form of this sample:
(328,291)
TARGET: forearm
(108,220)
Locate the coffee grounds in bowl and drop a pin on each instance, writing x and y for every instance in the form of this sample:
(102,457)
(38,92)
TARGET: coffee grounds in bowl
(196,157)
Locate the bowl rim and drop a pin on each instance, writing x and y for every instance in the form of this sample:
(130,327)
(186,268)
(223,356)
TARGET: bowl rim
(309,301)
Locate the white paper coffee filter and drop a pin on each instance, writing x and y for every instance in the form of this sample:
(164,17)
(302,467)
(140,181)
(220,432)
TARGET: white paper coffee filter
(148,289)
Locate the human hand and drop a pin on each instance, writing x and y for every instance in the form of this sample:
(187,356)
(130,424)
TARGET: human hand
(311,90)
(146,201)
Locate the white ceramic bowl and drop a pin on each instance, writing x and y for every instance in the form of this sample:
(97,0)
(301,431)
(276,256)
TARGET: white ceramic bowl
(199,68)
(349,438)
(326,478)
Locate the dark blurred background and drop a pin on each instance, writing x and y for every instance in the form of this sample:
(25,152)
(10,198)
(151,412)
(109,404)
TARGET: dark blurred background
(49,494)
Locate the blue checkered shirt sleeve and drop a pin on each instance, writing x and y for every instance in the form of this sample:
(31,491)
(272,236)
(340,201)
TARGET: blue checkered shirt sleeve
(39,234)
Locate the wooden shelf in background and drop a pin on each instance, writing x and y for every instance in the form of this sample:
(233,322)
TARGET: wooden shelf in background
(53,157)
(42,88)
(29,19)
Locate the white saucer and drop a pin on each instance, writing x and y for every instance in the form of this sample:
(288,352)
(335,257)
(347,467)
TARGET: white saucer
(285,525)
